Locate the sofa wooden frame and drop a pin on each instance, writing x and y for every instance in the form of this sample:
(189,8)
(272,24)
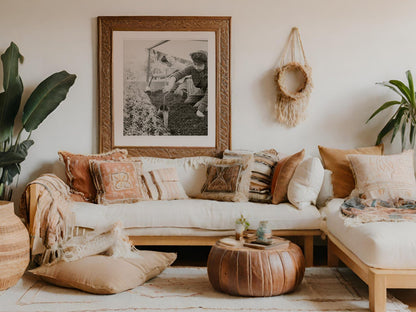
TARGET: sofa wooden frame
(306,236)
(378,280)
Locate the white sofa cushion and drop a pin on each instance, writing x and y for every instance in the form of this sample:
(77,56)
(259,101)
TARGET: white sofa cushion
(191,170)
(385,245)
(195,213)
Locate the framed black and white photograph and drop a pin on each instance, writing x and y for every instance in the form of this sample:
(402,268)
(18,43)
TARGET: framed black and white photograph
(164,86)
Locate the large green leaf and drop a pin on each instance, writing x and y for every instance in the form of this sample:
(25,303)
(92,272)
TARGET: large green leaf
(398,120)
(10,60)
(403,134)
(386,129)
(383,107)
(411,88)
(9,172)
(403,89)
(412,135)
(16,154)
(13,89)
(45,98)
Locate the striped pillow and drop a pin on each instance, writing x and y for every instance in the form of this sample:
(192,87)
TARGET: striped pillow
(261,172)
(164,184)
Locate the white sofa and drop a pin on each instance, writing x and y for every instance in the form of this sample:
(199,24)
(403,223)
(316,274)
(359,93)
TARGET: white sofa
(194,221)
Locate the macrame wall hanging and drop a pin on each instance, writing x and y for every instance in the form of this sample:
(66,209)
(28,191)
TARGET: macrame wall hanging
(293,81)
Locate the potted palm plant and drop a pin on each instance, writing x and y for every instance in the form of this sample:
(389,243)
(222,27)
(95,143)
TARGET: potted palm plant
(404,117)
(41,102)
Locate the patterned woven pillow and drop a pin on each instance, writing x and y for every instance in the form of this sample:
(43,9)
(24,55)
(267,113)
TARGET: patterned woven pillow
(228,179)
(118,181)
(261,172)
(384,177)
(77,169)
(164,184)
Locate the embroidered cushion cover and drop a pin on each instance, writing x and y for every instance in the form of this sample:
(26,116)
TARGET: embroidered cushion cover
(283,172)
(384,177)
(336,161)
(118,181)
(228,179)
(77,169)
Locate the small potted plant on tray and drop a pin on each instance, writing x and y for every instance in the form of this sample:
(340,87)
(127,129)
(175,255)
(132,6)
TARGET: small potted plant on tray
(241,225)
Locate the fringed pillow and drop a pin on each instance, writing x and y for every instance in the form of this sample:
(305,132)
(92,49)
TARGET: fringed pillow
(77,169)
(164,184)
(118,181)
(228,179)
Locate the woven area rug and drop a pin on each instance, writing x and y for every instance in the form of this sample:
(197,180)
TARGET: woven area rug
(188,289)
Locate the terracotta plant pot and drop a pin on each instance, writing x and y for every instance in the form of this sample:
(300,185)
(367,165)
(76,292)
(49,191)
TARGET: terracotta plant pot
(14,246)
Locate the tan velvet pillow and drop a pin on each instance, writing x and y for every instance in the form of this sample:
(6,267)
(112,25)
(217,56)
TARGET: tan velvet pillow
(77,169)
(336,161)
(118,181)
(106,275)
(228,179)
(283,172)
(384,177)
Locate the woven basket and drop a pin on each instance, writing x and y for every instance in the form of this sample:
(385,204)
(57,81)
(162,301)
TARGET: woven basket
(14,246)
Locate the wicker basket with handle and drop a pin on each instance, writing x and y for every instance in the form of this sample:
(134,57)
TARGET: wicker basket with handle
(14,246)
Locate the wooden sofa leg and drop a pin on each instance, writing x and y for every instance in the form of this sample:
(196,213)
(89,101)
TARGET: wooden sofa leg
(377,292)
(333,260)
(308,250)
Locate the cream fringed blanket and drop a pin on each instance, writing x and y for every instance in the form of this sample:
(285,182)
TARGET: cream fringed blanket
(52,222)
(51,227)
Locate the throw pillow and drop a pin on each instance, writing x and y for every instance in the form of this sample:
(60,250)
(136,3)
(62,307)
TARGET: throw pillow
(384,177)
(228,179)
(77,169)
(164,184)
(261,173)
(306,183)
(118,181)
(106,275)
(327,192)
(336,161)
(283,172)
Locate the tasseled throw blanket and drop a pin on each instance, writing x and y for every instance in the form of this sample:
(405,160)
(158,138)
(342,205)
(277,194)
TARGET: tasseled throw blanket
(51,227)
(52,222)
(359,210)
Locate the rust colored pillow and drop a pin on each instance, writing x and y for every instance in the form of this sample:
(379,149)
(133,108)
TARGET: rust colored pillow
(77,169)
(336,161)
(118,181)
(283,172)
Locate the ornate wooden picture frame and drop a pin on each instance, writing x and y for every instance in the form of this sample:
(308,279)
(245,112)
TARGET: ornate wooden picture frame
(153,78)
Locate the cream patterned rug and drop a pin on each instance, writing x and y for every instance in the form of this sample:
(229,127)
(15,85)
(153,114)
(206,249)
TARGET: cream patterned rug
(188,289)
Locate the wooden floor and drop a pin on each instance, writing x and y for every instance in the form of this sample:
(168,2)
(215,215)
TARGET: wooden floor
(198,255)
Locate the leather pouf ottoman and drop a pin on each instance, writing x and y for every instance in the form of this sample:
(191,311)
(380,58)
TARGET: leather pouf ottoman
(246,271)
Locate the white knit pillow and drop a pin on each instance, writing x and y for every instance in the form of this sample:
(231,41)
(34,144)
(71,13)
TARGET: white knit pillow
(306,183)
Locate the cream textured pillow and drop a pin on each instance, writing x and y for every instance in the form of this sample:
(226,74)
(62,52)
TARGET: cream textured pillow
(306,183)
(164,184)
(106,275)
(384,177)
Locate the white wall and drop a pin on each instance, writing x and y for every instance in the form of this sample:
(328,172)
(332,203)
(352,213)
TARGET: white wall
(350,45)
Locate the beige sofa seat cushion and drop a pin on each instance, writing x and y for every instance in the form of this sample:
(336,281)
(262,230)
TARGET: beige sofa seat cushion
(195,213)
(385,245)
(106,275)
